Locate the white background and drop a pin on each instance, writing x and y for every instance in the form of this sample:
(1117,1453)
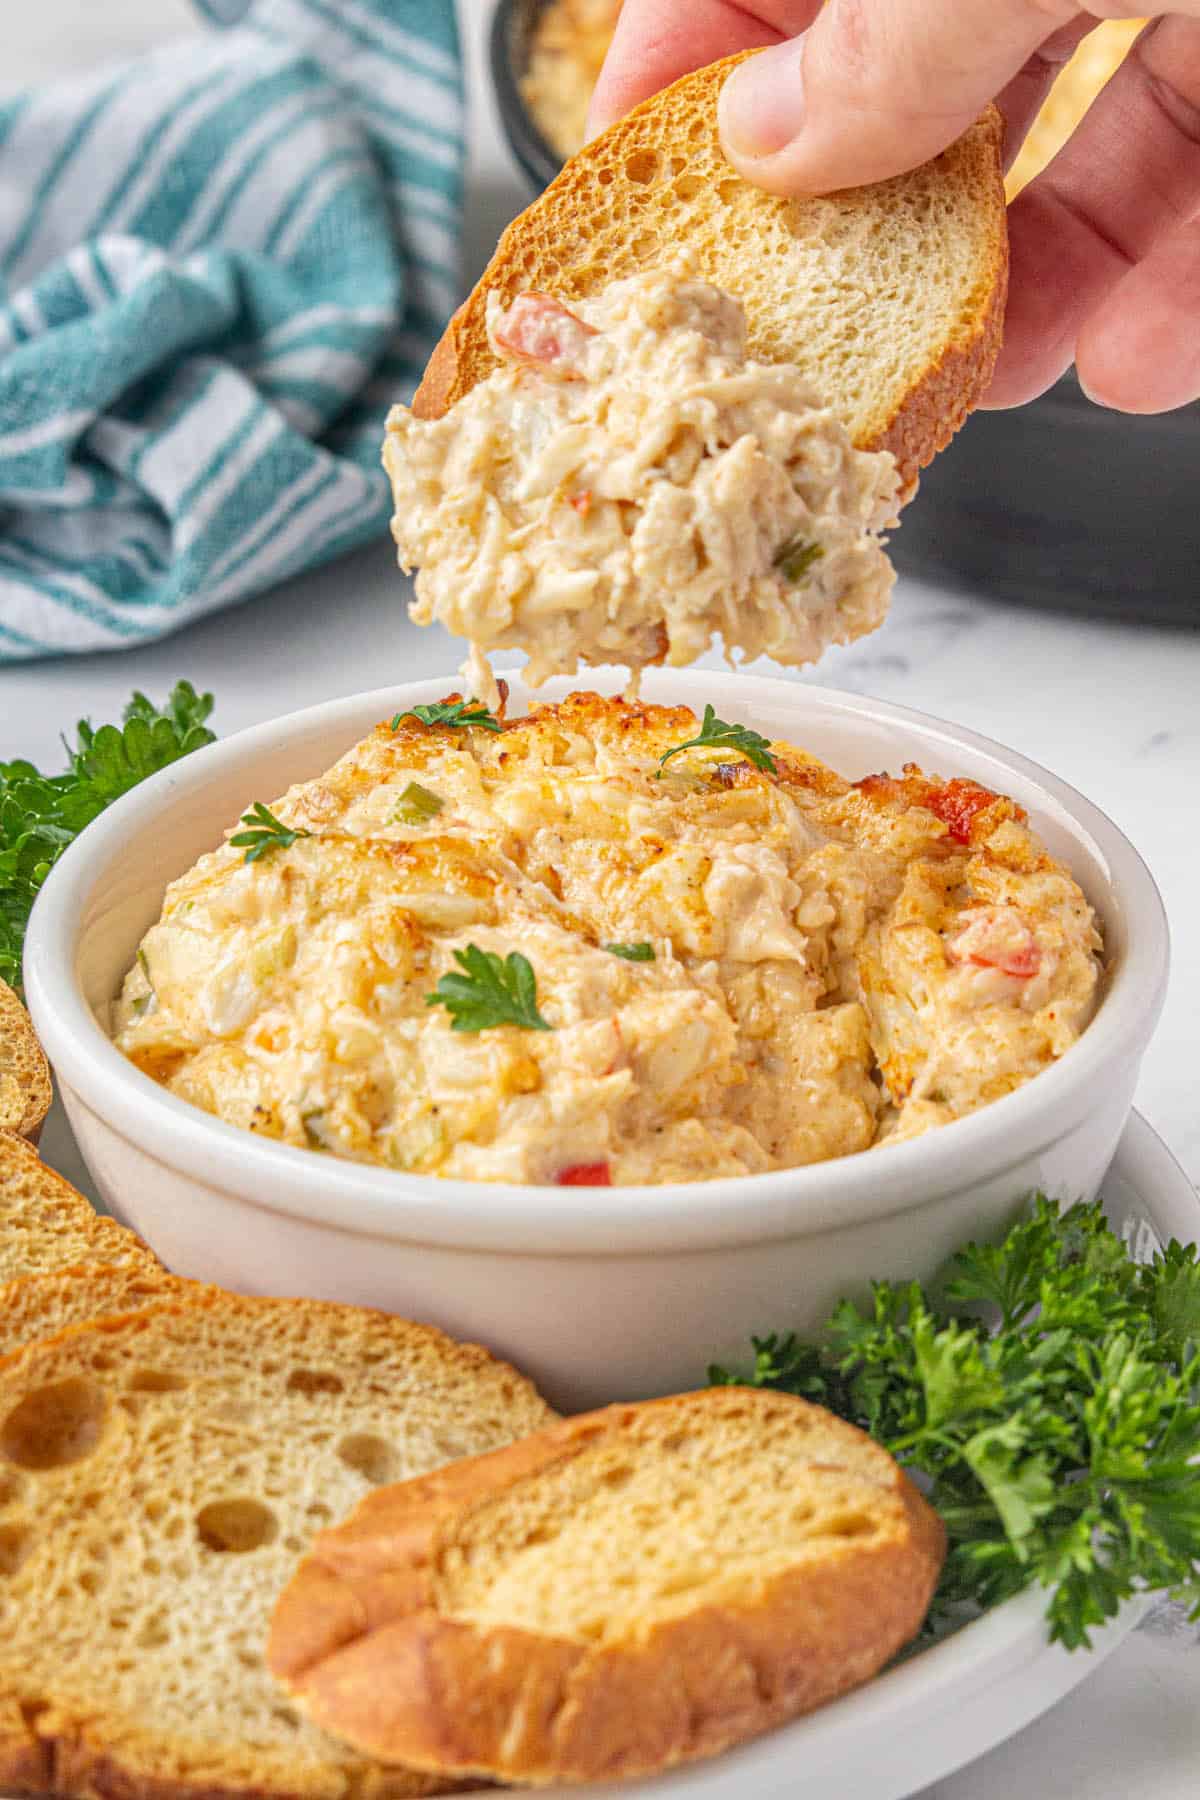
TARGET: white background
(1113,708)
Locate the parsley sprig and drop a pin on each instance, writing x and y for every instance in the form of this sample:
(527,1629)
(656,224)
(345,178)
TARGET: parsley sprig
(1057,1437)
(41,814)
(490,990)
(266,833)
(461,714)
(716,734)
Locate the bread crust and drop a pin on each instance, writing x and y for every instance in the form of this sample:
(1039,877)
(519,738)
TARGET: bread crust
(26,1091)
(359,1638)
(46,1223)
(41,1306)
(544,248)
(55,1739)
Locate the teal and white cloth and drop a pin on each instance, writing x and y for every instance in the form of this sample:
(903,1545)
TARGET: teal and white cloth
(218,267)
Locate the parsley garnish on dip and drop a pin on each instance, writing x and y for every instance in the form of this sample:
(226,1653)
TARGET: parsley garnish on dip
(463,715)
(715,734)
(490,990)
(265,834)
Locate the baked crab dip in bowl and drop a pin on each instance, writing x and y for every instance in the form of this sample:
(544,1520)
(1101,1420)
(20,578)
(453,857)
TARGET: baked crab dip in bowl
(603,1029)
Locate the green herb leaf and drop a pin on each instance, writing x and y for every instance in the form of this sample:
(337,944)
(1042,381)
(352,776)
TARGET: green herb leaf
(461,714)
(632,952)
(715,734)
(41,814)
(1049,1400)
(795,558)
(416,805)
(266,833)
(491,990)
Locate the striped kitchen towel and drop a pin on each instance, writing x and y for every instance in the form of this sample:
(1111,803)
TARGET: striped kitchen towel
(218,266)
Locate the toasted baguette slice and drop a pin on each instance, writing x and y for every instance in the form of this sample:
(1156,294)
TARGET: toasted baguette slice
(890,298)
(160,1475)
(40,1306)
(47,1224)
(628,1590)
(25,1090)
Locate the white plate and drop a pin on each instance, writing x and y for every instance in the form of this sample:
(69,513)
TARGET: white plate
(949,1705)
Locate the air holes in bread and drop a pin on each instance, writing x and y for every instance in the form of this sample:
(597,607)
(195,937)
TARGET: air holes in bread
(641,167)
(153,1635)
(314,1381)
(156,1381)
(849,1525)
(15,1541)
(236,1525)
(371,1457)
(54,1426)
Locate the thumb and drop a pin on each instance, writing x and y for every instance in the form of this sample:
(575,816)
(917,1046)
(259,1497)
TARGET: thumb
(875,87)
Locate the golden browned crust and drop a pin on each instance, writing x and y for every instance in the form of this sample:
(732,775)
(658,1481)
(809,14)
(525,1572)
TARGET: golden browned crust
(359,1639)
(927,417)
(46,1224)
(576,238)
(40,1306)
(25,1089)
(55,1742)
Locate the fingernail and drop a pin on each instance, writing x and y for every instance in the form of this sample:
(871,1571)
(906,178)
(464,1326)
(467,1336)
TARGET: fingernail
(761,107)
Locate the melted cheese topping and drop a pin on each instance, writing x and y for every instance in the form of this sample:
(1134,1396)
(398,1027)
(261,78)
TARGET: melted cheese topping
(629,485)
(834,964)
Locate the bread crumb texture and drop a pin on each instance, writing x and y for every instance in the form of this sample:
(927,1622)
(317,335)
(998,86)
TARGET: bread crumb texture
(627,1590)
(25,1088)
(40,1306)
(47,1224)
(160,1476)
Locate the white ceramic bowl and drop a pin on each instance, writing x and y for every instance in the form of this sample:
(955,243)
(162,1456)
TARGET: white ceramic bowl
(597,1293)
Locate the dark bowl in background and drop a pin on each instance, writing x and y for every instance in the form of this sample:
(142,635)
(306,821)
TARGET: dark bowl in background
(512,27)
(1058,504)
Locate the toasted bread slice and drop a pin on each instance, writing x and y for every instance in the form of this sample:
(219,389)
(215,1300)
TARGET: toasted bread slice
(890,298)
(25,1090)
(160,1475)
(628,1590)
(47,1224)
(40,1306)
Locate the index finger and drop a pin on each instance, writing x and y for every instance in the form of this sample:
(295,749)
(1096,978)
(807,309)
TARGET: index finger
(657,41)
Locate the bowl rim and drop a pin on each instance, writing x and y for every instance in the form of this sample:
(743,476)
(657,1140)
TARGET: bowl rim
(513,19)
(365,1199)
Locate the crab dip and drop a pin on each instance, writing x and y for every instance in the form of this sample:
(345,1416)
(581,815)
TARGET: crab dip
(577,947)
(628,484)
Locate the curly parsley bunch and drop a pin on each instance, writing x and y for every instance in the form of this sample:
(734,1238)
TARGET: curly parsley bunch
(1046,1395)
(41,814)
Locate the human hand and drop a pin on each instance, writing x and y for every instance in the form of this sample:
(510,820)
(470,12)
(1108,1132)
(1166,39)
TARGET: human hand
(1105,243)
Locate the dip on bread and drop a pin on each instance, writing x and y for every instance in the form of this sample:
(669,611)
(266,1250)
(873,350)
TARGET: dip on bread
(734,960)
(628,485)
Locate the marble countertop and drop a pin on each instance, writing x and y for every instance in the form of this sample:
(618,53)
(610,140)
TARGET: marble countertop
(1113,708)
